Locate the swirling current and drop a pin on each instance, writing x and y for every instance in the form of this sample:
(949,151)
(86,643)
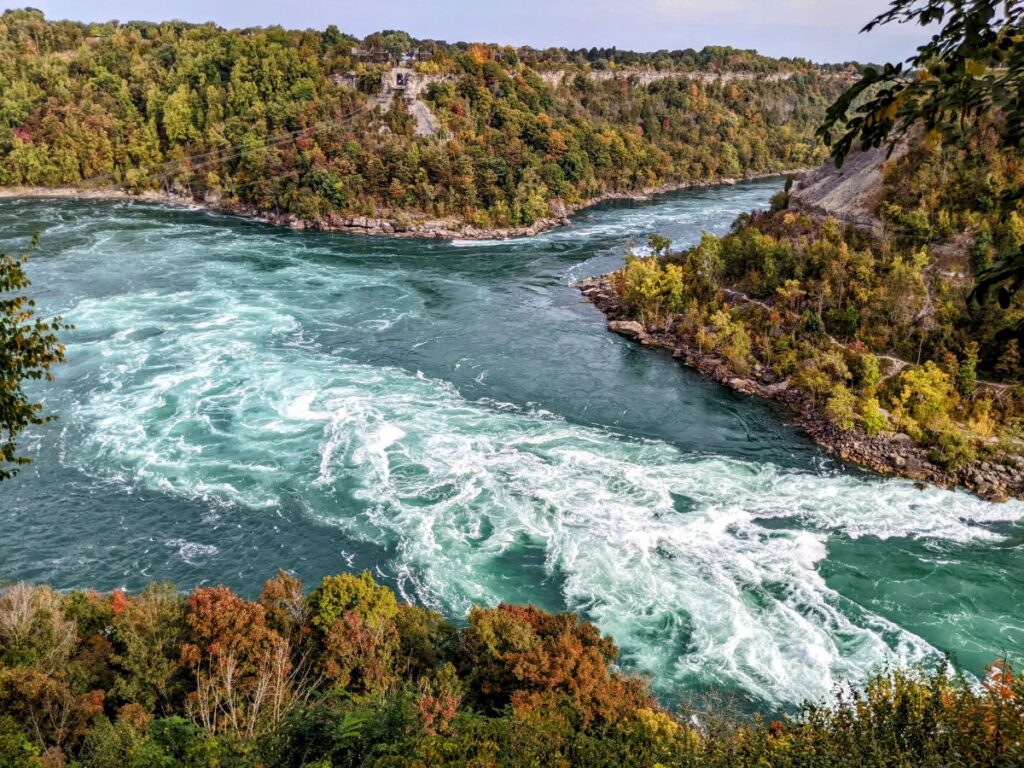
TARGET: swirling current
(452,417)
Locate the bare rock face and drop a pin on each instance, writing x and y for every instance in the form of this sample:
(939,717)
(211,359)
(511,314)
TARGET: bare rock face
(628,328)
(851,193)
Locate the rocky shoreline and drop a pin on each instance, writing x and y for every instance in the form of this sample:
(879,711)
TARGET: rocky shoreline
(386,225)
(893,454)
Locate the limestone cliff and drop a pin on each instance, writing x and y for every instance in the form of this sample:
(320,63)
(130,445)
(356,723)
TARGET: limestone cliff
(851,193)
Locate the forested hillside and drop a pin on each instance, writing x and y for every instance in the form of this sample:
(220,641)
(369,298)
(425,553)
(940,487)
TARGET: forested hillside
(867,298)
(852,300)
(347,676)
(296,122)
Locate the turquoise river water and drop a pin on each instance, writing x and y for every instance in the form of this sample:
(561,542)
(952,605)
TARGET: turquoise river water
(455,419)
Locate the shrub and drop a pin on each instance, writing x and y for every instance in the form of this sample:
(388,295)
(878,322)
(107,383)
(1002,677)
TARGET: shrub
(874,417)
(926,399)
(732,341)
(840,408)
(953,450)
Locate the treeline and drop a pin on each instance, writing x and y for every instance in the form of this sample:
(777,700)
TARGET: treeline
(347,676)
(822,303)
(261,117)
(395,44)
(710,58)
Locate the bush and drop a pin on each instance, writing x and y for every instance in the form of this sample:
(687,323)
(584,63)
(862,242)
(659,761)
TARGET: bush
(874,417)
(732,341)
(651,288)
(953,450)
(840,408)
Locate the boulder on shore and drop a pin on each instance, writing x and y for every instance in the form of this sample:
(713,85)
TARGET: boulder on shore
(628,328)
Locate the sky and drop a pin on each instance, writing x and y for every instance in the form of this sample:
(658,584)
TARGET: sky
(822,30)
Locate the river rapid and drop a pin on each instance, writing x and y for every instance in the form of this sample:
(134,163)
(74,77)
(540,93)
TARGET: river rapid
(453,418)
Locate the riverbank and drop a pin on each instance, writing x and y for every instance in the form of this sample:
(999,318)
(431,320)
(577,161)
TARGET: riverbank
(888,453)
(385,225)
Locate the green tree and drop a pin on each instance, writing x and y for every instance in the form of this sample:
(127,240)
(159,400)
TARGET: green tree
(16,749)
(840,407)
(875,420)
(971,70)
(1008,364)
(659,244)
(967,371)
(178,116)
(29,349)
(971,67)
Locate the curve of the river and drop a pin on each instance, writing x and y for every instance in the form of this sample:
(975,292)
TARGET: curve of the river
(455,419)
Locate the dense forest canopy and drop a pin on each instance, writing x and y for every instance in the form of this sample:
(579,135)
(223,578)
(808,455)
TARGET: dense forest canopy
(347,676)
(295,121)
(877,318)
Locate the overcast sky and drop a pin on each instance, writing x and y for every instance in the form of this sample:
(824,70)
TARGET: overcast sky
(823,30)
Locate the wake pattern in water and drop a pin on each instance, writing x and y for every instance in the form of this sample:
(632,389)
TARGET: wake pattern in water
(704,568)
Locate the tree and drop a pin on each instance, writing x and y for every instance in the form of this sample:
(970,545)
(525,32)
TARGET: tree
(967,372)
(971,68)
(840,408)
(29,349)
(148,631)
(659,244)
(875,420)
(1009,361)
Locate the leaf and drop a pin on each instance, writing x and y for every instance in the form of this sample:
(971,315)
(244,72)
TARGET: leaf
(975,68)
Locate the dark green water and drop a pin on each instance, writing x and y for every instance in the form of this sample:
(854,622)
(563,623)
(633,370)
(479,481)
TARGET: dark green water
(453,418)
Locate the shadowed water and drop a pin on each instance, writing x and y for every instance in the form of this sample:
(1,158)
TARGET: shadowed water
(455,419)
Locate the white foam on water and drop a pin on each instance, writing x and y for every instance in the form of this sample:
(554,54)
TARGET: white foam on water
(707,570)
(671,553)
(192,552)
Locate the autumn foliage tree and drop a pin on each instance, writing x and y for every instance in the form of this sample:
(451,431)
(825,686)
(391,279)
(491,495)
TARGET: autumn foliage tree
(531,659)
(242,667)
(212,679)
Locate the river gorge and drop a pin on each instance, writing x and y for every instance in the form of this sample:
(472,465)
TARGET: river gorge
(455,419)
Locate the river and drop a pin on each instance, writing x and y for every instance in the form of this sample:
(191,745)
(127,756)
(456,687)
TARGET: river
(455,419)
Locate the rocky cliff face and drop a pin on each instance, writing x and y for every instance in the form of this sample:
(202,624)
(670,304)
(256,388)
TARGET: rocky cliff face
(851,193)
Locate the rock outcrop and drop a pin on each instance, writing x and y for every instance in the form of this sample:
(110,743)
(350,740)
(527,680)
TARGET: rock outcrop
(628,328)
(850,194)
